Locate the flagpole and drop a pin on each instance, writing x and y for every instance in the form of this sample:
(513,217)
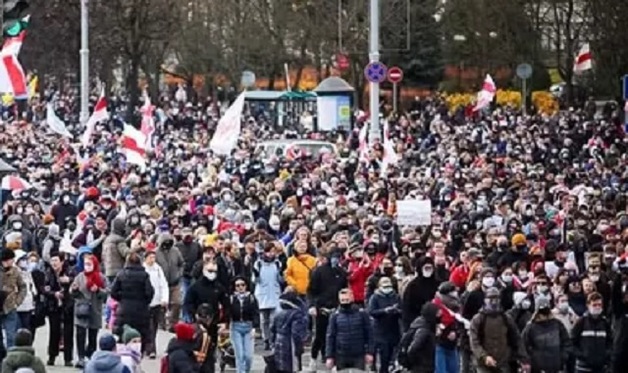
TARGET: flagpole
(375,129)
(84,61)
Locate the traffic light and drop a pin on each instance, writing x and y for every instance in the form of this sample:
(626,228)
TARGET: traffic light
(13,12)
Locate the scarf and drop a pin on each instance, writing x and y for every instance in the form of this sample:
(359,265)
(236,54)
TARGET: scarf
(94,277)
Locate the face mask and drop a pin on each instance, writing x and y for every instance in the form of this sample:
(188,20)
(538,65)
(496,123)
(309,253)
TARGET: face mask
(23,265)
(563,307)
(32,266)
(437,234)
(19,211)
(89,267)
(227,198)
(135,346)
(17,226)
(345,306)
(211,276)
(525,304)
(387,290)
(595,311)
(507,278)
(398,270)
(66,199)
(427,273)
(488,282)
(492,305)
(594,278)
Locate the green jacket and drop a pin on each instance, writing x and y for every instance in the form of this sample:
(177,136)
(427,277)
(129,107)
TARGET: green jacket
(22,357)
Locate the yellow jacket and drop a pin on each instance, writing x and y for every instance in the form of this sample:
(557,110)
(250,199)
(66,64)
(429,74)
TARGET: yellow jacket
(298,272)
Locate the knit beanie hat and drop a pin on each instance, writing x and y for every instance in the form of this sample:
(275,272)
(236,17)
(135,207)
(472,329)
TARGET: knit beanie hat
(107,342)
(23,337)
(184,332)
(129,334)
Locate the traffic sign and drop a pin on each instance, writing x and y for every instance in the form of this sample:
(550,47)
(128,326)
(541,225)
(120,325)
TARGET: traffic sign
(524,71)
(375,72)
(625,87)
(342,61)
(395,75)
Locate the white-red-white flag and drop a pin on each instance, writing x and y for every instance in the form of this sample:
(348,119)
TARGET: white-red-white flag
(148,121)
(487,94)
(228,130)
(133,146)
(100,114)
(583,61)
(55,123)
(363,145)
(12,76)
(390,155)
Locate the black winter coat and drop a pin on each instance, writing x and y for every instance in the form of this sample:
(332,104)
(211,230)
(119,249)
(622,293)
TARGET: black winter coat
(325,283)
(191,252)
(349,334)
(419,291)
(421,351)
(133,292)
(181,357)
(384,308)
(547,343)
(244,308)
(592,342)
(210,292)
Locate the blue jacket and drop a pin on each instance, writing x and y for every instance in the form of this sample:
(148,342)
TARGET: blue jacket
(288,332)
(386,325)
(267,283)
(349,334)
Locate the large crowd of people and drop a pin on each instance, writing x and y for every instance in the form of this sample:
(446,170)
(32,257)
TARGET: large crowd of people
(523,266)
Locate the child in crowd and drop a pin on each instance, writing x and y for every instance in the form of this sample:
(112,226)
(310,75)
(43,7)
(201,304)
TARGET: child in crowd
(130,351)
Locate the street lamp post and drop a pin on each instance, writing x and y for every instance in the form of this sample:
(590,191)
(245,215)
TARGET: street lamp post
(84,61)
(460,39)
(374,130)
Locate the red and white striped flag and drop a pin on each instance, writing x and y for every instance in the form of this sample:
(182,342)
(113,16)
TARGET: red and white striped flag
(148,122)
(583,61)
(487,94)
(133,146)
(12,76)
(100,114)
(363,145)
(390,155)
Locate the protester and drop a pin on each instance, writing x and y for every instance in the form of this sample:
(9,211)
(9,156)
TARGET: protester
(159,302)
(592,338)
(14,288)
(422,349)
(268,283)
(384,308)
(288,332)
(89,293)
(243,309)
(130,350)
(106,360)
(22,355)
(171,262)
(134,293)
(181,357)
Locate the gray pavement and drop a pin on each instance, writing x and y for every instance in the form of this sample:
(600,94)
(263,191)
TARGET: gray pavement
(149,366)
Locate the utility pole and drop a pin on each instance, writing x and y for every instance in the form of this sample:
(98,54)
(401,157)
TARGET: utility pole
(84,116)
(374,130)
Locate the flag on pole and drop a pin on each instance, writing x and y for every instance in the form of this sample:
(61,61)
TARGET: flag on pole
(390,155)
(13,43)
(12,77)
(100,113)
(487,94)
(55,123)
(583,61)
(228,130)
(363,145)
(133,146)
(148,121)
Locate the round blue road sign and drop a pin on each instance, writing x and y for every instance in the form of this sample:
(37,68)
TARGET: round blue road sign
(375,72)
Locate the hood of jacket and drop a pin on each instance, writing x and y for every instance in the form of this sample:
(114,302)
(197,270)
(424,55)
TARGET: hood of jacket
(163,238)
(118,226)
(22,356)
(428,318)
(175,345)
(104,362)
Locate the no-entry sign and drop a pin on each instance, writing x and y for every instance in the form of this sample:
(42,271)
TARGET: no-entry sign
(395,75)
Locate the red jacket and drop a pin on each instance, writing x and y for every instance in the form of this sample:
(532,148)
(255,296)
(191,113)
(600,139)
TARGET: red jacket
(447,318)
(459,276)
(358,275)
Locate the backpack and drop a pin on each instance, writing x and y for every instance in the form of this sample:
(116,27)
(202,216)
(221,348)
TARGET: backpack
(201,353)
(404,346)
(513,333)
(164,364)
